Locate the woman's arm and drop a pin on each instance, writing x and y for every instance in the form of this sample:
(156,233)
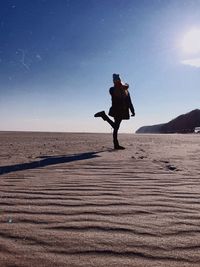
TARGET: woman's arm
(131,105)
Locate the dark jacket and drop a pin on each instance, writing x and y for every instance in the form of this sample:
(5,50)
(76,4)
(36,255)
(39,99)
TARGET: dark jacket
(121,103)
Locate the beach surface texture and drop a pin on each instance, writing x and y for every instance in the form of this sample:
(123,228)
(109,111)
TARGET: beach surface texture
(69,199)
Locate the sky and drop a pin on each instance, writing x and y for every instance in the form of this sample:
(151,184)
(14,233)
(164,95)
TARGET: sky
(57,59)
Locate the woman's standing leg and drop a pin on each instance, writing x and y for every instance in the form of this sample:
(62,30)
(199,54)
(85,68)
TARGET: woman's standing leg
(115,132)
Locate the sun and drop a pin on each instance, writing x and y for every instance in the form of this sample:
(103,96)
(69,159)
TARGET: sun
(191,41)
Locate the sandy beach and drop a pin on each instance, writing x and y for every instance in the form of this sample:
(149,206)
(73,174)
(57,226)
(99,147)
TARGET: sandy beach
(69,199)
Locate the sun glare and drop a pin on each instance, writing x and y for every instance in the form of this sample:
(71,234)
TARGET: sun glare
(191,41)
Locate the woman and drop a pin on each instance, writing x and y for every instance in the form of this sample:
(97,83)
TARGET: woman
(121,103)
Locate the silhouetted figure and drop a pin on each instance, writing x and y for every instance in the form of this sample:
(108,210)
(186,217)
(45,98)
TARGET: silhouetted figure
(121,104)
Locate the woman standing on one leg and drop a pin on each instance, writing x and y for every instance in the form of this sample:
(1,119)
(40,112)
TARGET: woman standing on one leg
(121,103)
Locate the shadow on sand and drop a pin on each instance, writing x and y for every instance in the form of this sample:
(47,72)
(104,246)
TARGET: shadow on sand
(46,161)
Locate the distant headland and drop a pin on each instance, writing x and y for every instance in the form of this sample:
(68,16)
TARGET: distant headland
(185,123)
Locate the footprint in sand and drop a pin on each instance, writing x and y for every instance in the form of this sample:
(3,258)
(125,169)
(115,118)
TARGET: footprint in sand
(171,167)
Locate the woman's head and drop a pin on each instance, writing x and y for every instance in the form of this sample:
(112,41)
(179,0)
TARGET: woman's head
(116,78)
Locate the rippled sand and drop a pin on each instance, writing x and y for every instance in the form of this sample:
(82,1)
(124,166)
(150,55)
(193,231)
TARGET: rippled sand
(71,200)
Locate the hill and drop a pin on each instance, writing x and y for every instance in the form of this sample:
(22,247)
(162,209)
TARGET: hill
(184,123)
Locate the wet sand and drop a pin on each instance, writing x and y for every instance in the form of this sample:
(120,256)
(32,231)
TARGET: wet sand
(71,200)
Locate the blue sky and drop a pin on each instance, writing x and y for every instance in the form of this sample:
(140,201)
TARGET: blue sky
(57,60)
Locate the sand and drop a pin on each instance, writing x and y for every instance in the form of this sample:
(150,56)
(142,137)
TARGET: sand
(71,200)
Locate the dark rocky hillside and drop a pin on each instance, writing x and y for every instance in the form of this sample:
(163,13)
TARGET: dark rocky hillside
(182,124)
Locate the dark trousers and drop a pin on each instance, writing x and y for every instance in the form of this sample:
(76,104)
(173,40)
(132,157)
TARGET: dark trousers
(115,125)
(115,131)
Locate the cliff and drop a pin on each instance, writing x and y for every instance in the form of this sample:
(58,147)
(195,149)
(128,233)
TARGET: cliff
(184,123)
